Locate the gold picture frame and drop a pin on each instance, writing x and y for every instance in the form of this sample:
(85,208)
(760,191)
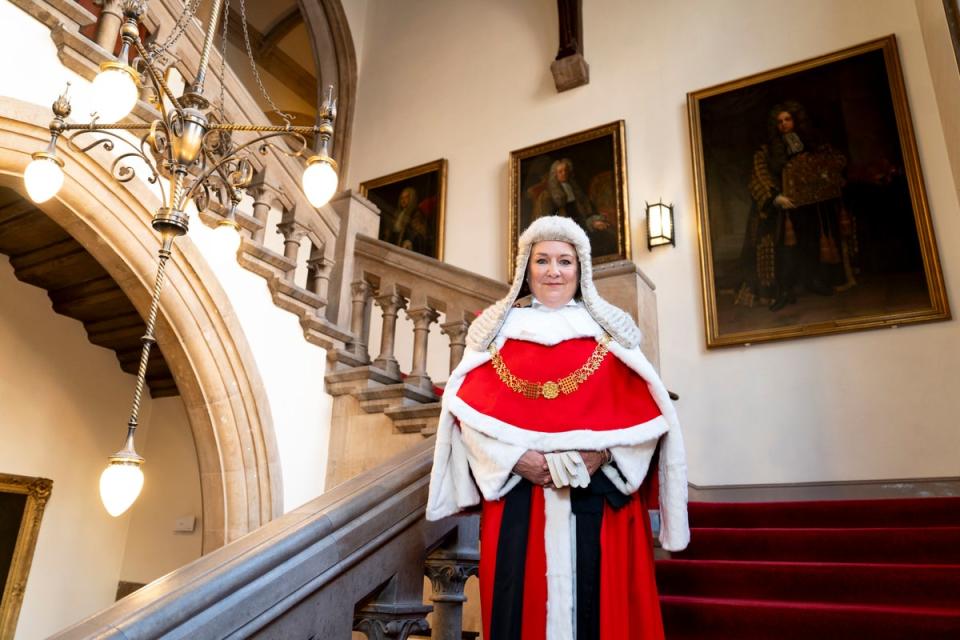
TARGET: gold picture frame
(596,166)
(412,207)
(37,494)
(857,249)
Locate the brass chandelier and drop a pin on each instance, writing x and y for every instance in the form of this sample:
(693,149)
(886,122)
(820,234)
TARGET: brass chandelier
(191,147)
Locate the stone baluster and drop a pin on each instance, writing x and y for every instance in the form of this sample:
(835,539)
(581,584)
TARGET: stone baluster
(292,232)
(292,236)
(390,303)
(361,294)
(318,272)
(108,27)
(456,330)
(448,576)
(422,317)
(261,211)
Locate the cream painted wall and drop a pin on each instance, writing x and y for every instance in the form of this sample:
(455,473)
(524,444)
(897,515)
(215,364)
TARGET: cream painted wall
(171,490)
(291,369)
(470,81)
(77,401)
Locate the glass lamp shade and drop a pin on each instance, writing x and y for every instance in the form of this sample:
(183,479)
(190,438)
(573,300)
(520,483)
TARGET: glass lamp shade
(319,180)
(120,484)
(228,238)
(115,92)
(43,177)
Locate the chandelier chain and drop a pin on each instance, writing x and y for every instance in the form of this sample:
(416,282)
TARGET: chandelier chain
(253,65)
(223,63)
(183,21)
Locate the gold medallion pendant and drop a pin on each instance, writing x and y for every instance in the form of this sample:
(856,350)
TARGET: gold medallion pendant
(550,390)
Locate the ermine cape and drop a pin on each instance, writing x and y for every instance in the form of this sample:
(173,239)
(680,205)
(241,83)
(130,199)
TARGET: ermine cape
(485,427)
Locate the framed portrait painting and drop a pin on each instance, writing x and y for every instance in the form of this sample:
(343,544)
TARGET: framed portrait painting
(411,204)
(812,213)
(22,502)
(581,176)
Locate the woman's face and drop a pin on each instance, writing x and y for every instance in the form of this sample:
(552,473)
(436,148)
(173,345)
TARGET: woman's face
(553,273)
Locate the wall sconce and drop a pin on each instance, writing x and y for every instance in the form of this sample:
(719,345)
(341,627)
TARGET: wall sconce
(660,225)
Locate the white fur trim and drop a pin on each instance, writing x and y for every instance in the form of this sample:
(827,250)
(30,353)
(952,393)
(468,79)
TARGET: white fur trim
(585,439)
(491,461)
(557,543)
(549,327)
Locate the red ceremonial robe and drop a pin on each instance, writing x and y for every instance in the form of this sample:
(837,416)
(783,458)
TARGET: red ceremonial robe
(614,397)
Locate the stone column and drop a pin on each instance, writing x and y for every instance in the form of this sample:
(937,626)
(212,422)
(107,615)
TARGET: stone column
(422,318)
(456,330)
(448,577)
(391,304)
(318,272)
(261,211)
(108,27)
(292,235)
(360,320)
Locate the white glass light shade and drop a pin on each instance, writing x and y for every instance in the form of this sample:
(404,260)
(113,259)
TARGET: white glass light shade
(319,181)
(120,484)
(227,236)
(43,178)
(115,93)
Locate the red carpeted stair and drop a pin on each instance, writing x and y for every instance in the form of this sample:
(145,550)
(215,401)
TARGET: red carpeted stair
(875,569)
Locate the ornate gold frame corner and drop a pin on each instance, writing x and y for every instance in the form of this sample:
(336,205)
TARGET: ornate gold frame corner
(37,491)
(439,166)
(939,307)
(617,130)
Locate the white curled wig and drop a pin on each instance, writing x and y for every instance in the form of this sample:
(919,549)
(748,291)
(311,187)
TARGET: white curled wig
(614,320)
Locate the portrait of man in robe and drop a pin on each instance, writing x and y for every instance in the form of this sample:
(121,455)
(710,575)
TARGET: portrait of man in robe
(580,176)
(411,204)
(811,206)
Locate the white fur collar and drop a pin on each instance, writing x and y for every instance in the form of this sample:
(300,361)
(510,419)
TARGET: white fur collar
(548,326)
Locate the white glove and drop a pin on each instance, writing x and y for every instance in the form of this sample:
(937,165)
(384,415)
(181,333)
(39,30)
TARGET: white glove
(567,469)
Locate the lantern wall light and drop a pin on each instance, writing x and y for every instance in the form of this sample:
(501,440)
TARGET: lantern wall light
(660,229)
(191,146)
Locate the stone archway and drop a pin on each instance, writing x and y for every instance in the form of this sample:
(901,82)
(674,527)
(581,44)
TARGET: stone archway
(198,331)
(336,63)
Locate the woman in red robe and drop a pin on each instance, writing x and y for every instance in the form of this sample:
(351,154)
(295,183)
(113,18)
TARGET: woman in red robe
(552,419)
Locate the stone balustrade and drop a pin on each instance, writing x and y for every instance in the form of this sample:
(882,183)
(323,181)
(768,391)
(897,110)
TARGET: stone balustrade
(427,290)
(319,571)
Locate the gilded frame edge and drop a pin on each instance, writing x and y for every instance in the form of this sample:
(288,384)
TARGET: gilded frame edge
(38,492)
(618,129)
(939,305)
(435,165)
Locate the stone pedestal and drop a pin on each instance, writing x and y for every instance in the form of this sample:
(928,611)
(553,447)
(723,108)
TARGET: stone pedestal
(357,215)
(623,283)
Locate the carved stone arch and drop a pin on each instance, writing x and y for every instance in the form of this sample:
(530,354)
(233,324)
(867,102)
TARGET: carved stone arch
(199,334)
(336,63)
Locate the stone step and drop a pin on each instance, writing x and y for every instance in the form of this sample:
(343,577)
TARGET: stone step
(357,379)
(421,418)
(380,399)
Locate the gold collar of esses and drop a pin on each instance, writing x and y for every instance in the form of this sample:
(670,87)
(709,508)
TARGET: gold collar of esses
(550,389)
